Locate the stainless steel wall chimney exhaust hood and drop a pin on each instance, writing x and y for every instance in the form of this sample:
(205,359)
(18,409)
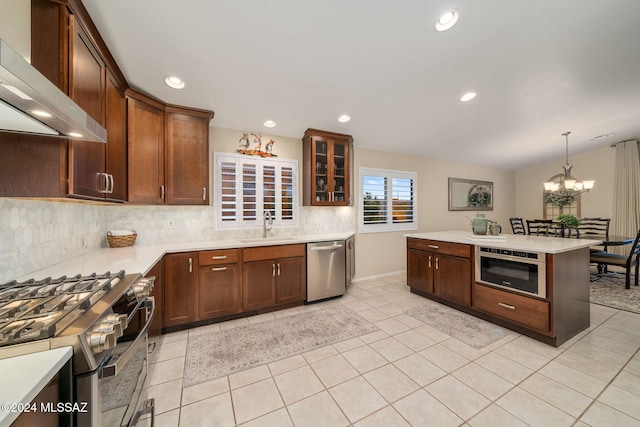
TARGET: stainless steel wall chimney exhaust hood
(30,103)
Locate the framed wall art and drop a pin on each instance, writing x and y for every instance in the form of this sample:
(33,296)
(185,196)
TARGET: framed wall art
(470,195)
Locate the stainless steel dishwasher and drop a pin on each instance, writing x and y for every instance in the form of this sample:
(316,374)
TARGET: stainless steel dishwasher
(326,275)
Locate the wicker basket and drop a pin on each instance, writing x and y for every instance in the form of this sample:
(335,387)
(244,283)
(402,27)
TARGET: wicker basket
(121,241)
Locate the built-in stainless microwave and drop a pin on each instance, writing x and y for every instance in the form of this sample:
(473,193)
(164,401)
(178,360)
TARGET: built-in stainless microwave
(519,271)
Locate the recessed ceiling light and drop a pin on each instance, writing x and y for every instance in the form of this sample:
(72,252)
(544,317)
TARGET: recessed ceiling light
(468,96)
(447,20)
(174,82)
(344,118)
(74,135)
(270,124)
(41,113)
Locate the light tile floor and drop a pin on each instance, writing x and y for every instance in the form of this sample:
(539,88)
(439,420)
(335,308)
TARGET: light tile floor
(409,373)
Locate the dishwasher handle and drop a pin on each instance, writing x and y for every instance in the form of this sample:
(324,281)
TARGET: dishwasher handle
(326,248)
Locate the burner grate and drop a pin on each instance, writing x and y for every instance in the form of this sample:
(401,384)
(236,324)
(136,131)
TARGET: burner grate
(32,309)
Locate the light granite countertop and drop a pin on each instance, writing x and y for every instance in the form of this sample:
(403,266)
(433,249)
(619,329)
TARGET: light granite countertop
(141,258)
(549,245)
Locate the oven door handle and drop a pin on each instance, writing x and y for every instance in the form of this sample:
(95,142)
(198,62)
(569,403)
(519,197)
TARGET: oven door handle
(112,369)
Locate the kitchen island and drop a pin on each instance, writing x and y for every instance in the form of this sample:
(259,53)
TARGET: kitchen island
(445,267)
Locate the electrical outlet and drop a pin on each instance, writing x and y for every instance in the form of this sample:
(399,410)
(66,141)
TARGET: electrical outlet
(171,223)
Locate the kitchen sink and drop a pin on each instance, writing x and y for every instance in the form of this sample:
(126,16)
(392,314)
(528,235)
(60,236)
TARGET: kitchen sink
(269,240)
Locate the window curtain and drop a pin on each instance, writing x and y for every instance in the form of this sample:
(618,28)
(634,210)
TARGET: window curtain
(626,198)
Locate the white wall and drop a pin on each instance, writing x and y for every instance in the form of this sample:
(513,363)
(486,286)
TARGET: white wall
(598,164)
(380,253)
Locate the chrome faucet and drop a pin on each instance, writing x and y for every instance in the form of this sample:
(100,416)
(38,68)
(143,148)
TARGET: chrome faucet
(267,220)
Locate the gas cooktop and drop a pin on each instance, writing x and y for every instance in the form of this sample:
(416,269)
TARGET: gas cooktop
(34,310)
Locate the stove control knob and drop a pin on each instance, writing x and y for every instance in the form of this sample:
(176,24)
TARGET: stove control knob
(106,327)
(101,341)
(141,288)
(120,319)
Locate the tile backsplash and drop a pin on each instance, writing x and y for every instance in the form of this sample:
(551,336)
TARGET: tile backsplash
(35,233)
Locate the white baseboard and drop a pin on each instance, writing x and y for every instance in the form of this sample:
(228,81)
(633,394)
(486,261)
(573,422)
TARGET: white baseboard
(377,276)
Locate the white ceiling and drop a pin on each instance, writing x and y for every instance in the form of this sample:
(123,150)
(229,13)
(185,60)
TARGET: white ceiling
(540,67)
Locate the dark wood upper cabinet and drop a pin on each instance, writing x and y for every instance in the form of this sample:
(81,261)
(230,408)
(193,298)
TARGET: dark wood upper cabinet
(87,174)
(146,149)
(326,158)
(168,152)
(187,151)
(116,125)
(155,153)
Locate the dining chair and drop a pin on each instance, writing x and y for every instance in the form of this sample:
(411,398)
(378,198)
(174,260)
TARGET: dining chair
(603,258)
(595,227)
(538,226)
(517,226)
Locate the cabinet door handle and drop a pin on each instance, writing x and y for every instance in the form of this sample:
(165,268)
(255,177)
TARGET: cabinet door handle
(162,192)
(433,246)
(190,265)
(104,184)
(437,263)
(111,183)
(273,270)
(204,193)
(219,257)
(278,269)
(218,268)
(510,307)
(429,261)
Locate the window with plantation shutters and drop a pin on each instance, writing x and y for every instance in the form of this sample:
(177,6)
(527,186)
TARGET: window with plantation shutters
(387,200)
(246,187)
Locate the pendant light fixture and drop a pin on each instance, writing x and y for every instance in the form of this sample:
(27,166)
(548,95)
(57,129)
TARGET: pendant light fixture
(567,183)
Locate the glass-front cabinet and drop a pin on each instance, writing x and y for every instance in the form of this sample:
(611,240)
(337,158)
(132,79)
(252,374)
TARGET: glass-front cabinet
(327,168)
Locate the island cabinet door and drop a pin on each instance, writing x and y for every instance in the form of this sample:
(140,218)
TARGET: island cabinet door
(420,270)
(452,278)
(218,291)
(258,284)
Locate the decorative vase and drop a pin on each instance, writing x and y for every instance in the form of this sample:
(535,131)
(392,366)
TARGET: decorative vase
(479,224)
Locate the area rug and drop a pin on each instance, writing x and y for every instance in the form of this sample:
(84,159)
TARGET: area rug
(464,327)
(608,290)
(217,354)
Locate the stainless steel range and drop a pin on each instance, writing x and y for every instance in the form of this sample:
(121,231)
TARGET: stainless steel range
(105,318)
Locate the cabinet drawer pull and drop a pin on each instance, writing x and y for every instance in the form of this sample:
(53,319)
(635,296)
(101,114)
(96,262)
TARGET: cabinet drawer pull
(218,268)
(273,270)
(437,263)
(278,269)
(204,193)
(429,261)
(162,192)
(190,265)
(510,307)
(433,246)
(219,257)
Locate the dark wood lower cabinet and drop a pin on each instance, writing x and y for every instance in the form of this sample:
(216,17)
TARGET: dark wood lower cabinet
(219,284)
(452,276)
(291,283)
(157,271)
(258,284)
(437,272)
(218,291)
(180,287)
(419,270)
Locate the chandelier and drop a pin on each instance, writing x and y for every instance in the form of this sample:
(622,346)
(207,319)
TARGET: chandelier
(567,183)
